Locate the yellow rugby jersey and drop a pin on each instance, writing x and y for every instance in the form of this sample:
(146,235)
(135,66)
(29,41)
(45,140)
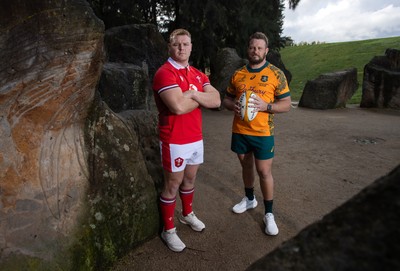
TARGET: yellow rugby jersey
(269,83)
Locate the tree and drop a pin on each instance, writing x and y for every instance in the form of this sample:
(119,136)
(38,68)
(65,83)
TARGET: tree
(221,23)
(293,4)
(123,12)
(213,24)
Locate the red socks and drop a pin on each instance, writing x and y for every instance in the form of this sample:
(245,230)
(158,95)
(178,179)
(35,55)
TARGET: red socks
(167,208)
(187,200)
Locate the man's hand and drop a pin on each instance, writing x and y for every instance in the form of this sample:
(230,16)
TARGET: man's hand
(257,104)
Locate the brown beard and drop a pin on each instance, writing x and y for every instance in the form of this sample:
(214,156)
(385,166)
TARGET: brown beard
(255,62)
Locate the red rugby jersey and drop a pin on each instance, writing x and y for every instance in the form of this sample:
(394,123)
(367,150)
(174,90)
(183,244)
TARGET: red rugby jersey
(185,128)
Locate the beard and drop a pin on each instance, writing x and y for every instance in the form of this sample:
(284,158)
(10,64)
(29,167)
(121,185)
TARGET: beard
(254,60)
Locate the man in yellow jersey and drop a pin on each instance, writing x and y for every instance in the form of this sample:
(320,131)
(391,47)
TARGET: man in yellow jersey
(253,138)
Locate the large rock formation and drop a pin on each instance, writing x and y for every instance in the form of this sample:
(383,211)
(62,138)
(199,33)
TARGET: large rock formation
(51,58)
(145,123)
(362,234)
(136,44)
(381,83)
(125,86)
(225,64)
(75,191)
(330,90)
(122,199)
(134,53)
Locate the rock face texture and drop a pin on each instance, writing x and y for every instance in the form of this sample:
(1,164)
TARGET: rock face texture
(330,90)
(362,234)
(381,83)
(75,187)
(227,62)
(52,54)
(122,198)
(134,53)
(136,44)
(125,86)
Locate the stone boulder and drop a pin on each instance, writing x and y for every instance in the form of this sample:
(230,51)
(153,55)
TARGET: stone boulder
(125,86)
(362,234)
(136,44)
(75,187)
(330,90)
(134,53)
(122,199)
(226,63)
(145,124)
(381,83)
(51,58)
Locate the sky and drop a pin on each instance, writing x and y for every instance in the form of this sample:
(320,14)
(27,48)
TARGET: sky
(341,20)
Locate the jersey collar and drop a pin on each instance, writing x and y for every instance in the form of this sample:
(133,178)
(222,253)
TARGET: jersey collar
(177,65)
(258,69)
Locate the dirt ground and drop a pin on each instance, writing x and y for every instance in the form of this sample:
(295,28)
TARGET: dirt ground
(322,158)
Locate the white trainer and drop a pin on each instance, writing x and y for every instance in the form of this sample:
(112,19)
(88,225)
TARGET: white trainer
(172,240)
(270,225)
(245,205)
(192,221)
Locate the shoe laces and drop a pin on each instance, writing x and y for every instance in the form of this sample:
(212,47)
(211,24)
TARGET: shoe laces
(269,216)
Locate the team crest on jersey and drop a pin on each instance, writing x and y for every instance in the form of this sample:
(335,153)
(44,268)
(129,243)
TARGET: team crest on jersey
(178,162)
(264,78)
(192,87)
(198,78)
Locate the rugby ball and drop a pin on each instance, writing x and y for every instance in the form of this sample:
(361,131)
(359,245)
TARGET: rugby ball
(247,113)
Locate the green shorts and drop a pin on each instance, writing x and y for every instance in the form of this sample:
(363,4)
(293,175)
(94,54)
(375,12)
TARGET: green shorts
(261,146)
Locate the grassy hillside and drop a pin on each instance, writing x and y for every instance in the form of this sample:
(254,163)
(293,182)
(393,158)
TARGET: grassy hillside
(309,61)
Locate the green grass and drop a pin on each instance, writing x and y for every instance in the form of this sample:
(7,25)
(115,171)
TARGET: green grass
(307,62)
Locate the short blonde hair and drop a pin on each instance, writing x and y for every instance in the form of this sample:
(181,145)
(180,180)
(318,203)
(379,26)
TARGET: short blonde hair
(179,32)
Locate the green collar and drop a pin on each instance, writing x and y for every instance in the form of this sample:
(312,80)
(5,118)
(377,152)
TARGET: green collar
(257,70)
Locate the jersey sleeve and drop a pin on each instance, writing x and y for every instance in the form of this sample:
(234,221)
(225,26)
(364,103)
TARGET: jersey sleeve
(164,79)
(282,89)
(205,80)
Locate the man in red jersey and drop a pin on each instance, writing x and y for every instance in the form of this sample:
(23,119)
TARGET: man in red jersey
(180,91)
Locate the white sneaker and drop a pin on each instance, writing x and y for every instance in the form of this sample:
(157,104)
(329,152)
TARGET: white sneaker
(244,205)
(192,221)
(172,240)
(270,225)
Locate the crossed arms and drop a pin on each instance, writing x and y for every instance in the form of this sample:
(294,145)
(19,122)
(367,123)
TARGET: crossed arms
(179,102)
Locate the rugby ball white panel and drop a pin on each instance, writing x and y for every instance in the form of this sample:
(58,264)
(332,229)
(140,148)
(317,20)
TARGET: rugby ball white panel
(246,112)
